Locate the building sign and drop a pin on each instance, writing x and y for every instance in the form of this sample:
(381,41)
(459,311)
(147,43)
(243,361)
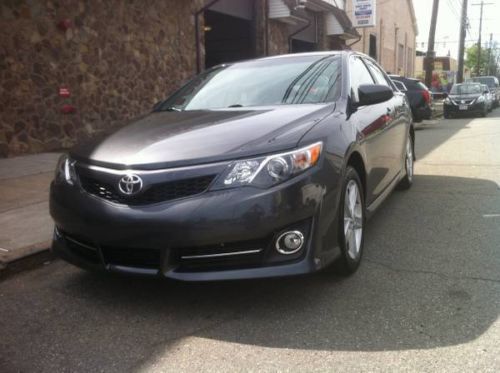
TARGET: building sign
(363,13)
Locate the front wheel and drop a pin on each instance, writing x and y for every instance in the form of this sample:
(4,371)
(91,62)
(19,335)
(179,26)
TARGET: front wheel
(407,181)
(352,223)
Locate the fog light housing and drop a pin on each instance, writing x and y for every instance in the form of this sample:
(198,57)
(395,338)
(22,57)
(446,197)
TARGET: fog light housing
(290,242)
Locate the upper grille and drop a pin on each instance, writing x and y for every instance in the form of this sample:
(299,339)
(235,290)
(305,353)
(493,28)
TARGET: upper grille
(154,194)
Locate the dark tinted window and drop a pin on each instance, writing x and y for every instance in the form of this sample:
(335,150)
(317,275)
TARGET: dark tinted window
(411,84)
(359,75)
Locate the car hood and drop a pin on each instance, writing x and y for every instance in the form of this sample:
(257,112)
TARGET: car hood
(464,97)
(172,139)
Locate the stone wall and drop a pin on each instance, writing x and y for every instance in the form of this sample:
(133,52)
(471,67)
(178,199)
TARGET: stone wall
(117,59)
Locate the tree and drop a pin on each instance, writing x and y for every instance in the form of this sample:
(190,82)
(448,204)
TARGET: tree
(486,67)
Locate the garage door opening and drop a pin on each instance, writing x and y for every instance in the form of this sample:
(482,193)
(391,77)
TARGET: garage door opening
(227,38)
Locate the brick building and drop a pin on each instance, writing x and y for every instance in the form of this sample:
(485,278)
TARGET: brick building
(392,42)
(71,69)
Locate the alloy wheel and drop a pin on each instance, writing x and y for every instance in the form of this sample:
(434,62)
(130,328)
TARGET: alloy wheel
(409,159)
(353,219)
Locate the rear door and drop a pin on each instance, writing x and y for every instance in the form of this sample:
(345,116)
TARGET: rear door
(371,122)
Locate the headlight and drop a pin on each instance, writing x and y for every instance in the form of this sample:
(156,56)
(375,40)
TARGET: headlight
(268,171)
(480,99)
(447,100)
(65,170)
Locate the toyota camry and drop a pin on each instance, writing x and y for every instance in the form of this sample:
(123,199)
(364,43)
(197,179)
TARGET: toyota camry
(262,168)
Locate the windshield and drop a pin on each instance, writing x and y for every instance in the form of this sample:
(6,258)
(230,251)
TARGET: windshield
(466,89)
(298,80)
(489,81)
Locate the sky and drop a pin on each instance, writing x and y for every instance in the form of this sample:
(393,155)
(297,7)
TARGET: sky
(448,25)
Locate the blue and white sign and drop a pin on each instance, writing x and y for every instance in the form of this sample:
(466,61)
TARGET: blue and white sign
(363,13)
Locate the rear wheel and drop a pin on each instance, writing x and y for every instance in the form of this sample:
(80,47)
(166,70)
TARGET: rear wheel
(407,181)
(351,223)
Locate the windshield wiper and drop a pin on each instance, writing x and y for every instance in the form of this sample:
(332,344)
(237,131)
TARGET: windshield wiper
(236,105)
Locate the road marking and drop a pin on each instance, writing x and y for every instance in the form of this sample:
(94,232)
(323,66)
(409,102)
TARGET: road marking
(2,249)
(491,216)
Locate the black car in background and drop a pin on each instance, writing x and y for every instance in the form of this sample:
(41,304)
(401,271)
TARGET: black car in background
(466,98)
(262,168)
(419,96)
(492,83)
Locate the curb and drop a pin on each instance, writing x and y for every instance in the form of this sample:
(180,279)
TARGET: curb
(25,258)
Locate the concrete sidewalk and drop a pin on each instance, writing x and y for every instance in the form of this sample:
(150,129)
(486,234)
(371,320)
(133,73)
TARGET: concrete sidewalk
(25,224)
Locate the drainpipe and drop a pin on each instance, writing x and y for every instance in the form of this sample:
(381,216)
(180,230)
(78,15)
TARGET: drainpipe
(197,33)
(295,33)
(354,42)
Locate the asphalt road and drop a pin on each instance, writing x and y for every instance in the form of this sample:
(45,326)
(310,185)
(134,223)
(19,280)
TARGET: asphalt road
(426,298)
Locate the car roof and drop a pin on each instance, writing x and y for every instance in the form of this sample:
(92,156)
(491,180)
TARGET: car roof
(316,53)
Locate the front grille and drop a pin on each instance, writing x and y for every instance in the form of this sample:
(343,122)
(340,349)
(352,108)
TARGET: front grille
(154,194)
(132,257)
(247,254)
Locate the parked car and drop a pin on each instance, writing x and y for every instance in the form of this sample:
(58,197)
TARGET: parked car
(419,96)
(492,83)
(262,168)
(488,96)
(465,98)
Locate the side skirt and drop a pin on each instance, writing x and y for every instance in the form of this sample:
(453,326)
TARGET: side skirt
(370,210)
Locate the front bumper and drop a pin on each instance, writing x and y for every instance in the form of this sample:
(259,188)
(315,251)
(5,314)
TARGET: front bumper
(475,108)
(173,239)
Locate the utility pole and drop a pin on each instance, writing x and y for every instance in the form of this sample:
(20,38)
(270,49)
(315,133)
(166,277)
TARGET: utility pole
(431,54)
(478,66)
(461,47)
(489,55)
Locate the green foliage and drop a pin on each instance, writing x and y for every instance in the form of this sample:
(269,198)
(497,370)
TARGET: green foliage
(486,68)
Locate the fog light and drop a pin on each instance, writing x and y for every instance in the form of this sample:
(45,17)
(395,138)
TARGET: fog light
(290,242)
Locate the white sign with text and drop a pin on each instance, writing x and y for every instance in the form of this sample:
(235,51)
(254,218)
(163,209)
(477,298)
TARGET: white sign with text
(363,13)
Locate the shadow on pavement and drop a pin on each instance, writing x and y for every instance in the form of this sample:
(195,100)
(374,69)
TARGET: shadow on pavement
(430,279)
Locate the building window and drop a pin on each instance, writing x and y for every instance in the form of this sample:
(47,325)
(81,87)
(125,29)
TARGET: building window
(372,51)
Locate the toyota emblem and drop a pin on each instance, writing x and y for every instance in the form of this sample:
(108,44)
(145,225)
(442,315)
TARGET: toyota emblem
(130,184)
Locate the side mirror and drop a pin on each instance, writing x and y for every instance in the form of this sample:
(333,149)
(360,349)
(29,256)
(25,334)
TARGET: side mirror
(445,94)
(371,94)
(485,92)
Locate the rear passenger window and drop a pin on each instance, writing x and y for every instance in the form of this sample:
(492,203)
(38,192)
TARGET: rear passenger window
(359,76)
(377,74)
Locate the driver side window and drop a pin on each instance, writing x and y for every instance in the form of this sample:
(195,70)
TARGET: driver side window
(359,75)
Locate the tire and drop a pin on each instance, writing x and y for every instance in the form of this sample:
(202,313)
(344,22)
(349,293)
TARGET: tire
(409,162)
(352,220)
(484,112)
(446,115)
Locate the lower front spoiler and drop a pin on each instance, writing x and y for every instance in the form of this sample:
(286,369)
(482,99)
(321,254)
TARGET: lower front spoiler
(301,266)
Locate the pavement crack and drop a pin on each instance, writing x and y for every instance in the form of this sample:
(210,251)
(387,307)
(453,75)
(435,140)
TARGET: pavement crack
(434,273)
